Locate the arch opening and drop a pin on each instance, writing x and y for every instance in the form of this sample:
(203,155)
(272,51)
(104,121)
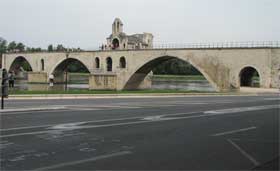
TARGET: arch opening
(20,64)
(97,63)
(19,68)
(122,62)
(42,65)
(249,77)
(170,73)
(109,64)
(71,71)
(115,43)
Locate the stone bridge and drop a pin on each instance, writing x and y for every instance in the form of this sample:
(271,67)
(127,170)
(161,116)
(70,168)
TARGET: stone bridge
(224,68)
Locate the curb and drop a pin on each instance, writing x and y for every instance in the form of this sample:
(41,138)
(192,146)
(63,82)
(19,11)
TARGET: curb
(31,109)
(98,96)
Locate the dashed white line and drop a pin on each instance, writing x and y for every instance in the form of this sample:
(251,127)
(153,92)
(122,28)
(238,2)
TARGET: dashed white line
(234,131)
(248,156)
(242,109)
(72,163)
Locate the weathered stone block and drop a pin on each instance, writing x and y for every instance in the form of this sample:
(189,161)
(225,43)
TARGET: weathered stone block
(37,77)
(103,82)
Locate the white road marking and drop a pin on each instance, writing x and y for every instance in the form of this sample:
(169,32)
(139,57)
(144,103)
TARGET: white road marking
(94,121)
(33,109)
(137,122)
(26,133)
(68,126)
(4,144)
(37,111)
(234,131)
(153,118)
(242,109)
(248,156)
(72,163)
(277,98)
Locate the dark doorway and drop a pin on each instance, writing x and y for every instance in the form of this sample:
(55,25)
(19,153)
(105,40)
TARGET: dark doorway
(116,44)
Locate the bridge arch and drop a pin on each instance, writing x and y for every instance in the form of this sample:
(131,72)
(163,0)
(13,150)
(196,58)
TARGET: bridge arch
(62,66)
(20,63)
(141,72)
(247,75)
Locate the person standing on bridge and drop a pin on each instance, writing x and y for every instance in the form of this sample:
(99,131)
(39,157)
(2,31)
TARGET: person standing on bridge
(51,80)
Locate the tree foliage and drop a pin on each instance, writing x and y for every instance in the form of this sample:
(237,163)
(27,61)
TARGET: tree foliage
(3,45)
(77,66)
(60,48)
(175,67)
(50,48)
(12,46)
(20,47)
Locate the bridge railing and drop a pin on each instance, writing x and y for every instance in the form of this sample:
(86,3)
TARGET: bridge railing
(263,44)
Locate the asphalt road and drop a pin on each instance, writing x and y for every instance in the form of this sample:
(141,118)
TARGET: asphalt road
(166,133)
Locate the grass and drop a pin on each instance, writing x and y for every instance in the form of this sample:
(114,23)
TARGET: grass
(26,92)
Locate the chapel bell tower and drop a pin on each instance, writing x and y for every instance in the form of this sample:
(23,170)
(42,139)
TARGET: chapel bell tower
(117,27)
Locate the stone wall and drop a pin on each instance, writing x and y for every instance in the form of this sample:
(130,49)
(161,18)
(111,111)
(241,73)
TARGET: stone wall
(221,67)
(103,82)
(275,68)
(37,77)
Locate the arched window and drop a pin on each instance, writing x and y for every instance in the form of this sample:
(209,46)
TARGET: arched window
(109,63)
(122,62)
(97,63)
(42,65)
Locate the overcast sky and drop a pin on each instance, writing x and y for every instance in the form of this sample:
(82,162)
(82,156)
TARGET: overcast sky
(87,23)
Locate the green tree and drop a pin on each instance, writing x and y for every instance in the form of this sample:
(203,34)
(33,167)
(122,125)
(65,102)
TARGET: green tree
(28,49)
(12,46)
(38,49)
(3,45)
(20,47)
(60,48)
(50,48)
(175,67)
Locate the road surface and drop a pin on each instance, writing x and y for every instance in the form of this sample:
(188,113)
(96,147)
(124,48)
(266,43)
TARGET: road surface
(164,133)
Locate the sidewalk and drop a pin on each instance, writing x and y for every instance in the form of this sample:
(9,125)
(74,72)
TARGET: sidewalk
(96,96)
(259,90)
(243,92)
